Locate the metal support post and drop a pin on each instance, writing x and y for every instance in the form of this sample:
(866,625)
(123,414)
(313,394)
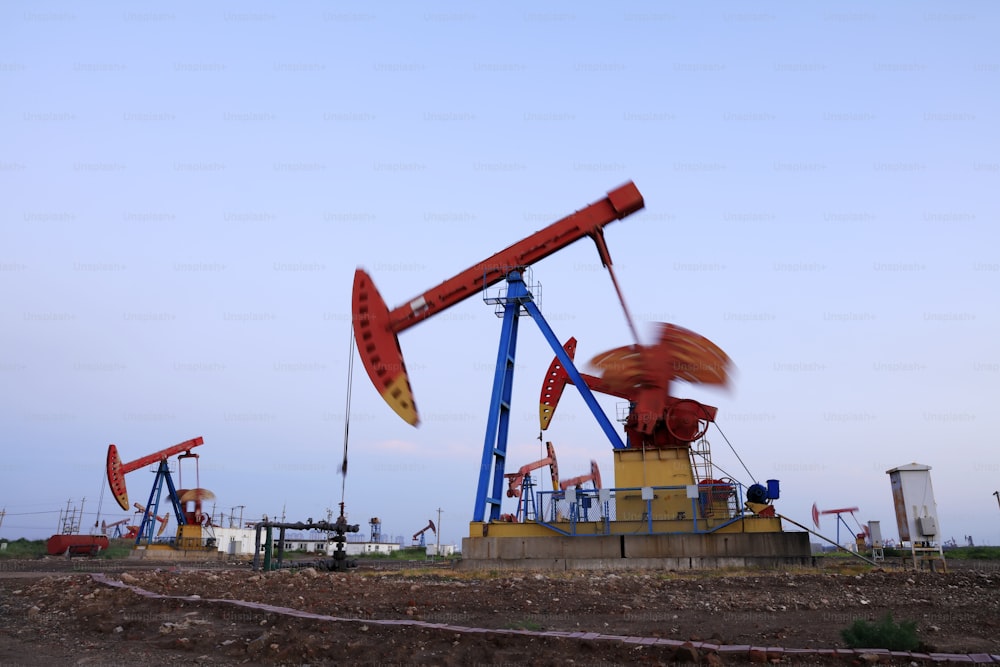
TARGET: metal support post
(281,545)
(268,548)
(256,549)
(491,472)
(498,422)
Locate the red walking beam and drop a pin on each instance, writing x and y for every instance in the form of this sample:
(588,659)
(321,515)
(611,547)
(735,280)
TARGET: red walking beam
(117,470)
(376,327)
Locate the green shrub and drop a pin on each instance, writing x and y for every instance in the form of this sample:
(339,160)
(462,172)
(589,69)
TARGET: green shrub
(974,553)
(117,549)
(22,548)
(885,633)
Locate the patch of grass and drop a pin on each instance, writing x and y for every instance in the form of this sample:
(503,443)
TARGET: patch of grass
(28,549)
(524,624)
(973,553)
(423,572)
(117,549)
(475,575)
(885,633)
(406,553)
(849,568)
(22,548)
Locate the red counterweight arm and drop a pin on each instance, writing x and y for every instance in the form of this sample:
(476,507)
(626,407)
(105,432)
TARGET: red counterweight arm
(642,374)
(376,327)
(117,470)
(556,380)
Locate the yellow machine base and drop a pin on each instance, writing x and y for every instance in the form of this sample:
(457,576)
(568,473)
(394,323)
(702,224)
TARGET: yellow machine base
(663,517)
(749,524)
(189,545)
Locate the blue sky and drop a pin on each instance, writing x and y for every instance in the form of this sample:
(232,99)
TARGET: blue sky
(188,189)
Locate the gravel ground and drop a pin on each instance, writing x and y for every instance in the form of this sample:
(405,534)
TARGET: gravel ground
(59,614)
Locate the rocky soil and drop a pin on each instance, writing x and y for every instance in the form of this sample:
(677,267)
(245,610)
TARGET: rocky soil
(69,617)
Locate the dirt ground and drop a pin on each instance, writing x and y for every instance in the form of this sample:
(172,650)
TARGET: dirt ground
(55,612)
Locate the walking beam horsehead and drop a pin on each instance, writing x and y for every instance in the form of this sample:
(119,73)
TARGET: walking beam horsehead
(376,328)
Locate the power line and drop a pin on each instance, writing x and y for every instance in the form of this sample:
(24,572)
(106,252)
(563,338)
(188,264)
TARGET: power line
(347,416)
(735,453)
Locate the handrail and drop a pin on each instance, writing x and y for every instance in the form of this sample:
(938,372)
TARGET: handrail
(546,515)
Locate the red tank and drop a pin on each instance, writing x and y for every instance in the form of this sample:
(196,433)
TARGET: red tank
(76,545)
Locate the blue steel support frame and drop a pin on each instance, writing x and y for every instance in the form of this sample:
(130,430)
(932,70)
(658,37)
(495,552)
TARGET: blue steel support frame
(526,504)
(488,495)
(841,520)
(498,422)
(153,504)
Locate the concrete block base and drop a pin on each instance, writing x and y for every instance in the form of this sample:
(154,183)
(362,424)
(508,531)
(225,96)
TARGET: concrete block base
(170,554)
(623,552)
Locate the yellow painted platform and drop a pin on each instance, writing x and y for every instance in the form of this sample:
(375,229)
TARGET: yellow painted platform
(750,524)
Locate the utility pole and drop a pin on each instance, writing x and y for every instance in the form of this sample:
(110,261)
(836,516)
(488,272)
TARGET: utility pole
(63,517)
(437,549)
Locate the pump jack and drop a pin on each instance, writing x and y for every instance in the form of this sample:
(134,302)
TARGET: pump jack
(164,520)
(190,534)
(520,485)
(593,476)
(576,483)
(129,532)
(376,328)
(420,533)
(656,488)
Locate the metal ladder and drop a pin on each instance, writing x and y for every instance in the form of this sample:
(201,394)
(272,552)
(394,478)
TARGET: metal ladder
(701,460)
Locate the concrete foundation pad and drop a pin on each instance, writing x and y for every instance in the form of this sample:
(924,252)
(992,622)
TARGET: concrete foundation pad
(624,552)
(202,555)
